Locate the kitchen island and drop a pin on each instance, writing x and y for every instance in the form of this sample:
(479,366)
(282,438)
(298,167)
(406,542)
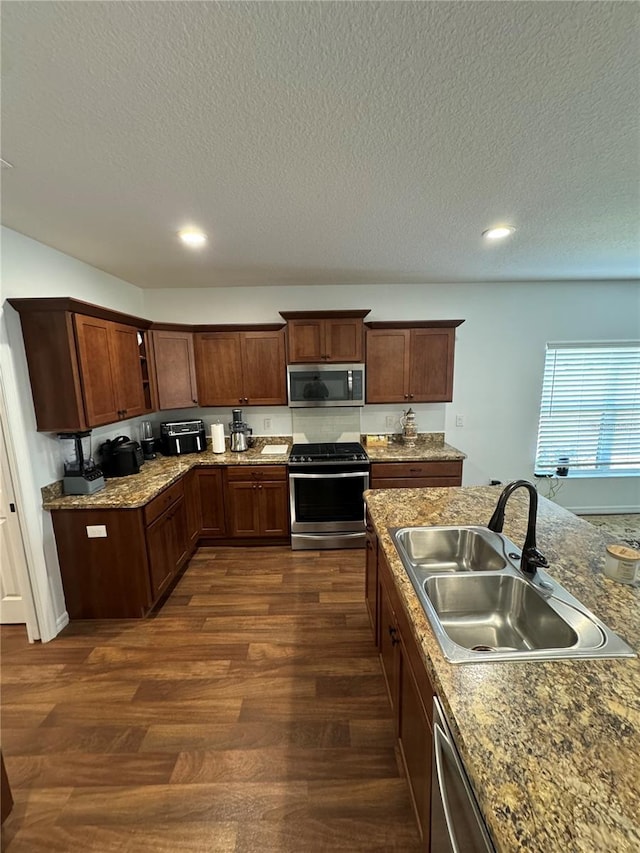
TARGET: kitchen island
(551,748)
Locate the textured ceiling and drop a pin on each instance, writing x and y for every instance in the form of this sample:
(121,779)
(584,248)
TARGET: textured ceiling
(325,142)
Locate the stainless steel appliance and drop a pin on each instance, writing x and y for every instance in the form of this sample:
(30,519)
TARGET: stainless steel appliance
(311,385)
(178,437)
(81,475)
(326,484)
(456,823)
(239,432)
(121,457)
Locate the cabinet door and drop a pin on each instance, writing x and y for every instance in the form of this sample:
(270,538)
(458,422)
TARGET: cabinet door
(431,365)
(389,640)
(167,546)
(274,508)
(415,740)
(98,380)
(243,512)
(306,341)
(161,566)
(264,368)
(371,580)
(193,508)
(175,369)
(211,501)
(126,370)
(219,368)
(343,339)
(388,365)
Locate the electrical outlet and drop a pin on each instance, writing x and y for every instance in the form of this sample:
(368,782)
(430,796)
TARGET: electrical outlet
(459,420)
(97,531)
(389,421)
(267,423)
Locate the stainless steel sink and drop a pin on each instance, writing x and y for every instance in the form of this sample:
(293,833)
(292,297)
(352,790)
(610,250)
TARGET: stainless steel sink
(452,549)
(483,609)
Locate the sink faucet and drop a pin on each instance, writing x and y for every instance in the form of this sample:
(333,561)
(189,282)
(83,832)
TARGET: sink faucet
(531,559)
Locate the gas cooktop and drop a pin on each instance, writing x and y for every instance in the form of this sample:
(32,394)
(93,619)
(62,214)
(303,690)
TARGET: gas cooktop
(342,451)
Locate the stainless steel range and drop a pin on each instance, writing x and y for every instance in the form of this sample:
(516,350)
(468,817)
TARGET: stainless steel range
(326,483)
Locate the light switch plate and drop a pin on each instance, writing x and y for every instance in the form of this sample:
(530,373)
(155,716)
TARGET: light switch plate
(97,531)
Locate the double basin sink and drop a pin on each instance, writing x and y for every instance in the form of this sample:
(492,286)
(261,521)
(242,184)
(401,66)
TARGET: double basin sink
(482,608)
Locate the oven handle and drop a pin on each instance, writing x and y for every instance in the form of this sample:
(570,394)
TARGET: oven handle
(352,474)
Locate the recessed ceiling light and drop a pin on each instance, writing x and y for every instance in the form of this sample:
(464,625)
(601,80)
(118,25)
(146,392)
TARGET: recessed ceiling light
(498,232)
(192,237)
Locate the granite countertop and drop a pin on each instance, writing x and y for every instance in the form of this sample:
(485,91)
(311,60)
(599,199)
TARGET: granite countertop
(155,475)
(429,447)
(552,748)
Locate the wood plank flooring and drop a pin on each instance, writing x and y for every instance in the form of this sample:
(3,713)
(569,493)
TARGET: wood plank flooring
(248,714)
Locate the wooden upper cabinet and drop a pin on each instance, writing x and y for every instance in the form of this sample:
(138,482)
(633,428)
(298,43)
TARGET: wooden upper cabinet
(331,336)
(110,370)
(87,364)
(241,368)
(411,363)
(175,369)
(264,368)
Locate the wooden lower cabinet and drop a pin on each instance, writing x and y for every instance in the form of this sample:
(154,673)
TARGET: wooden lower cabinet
(371,579)
(415,475)
(167,546)
(209,494)
(257,501)
(122,571)
(410,694)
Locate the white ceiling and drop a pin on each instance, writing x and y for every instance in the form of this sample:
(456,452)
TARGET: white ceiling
(323,142)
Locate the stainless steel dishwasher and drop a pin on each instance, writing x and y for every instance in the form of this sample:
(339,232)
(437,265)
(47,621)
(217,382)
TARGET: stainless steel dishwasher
(456,823)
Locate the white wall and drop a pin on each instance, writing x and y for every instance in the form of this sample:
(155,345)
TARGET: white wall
(30,269)
(498,372)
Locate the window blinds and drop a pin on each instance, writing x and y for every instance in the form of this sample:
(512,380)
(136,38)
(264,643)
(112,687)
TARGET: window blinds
(590,408)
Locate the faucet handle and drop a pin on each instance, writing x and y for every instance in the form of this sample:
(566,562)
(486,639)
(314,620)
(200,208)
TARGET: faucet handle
(531,560)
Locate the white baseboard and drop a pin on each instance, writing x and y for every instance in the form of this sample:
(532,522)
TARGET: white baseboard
(604,510)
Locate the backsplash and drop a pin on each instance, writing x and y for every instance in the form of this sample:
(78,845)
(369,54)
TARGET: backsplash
(334,424)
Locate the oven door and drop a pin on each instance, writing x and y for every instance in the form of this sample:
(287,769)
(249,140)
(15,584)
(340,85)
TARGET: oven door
(327,504)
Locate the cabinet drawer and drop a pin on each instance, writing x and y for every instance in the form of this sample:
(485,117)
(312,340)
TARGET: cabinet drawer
(413,482)
(398,470)
(158,505)
(251,473)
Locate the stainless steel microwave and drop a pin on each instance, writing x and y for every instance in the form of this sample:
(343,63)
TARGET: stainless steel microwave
(311,385)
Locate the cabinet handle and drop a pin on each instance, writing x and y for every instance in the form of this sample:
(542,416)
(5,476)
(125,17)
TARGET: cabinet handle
(195,401)
(392,633)
(406,396)
(246,399)
(259,486)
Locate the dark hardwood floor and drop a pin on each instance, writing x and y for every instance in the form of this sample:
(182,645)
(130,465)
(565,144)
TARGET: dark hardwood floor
(248,714)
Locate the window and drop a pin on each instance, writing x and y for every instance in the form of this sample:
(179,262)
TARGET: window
(590,410)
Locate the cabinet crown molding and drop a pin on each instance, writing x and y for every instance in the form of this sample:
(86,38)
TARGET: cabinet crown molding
(413,324)
(76,306)
(323,315)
